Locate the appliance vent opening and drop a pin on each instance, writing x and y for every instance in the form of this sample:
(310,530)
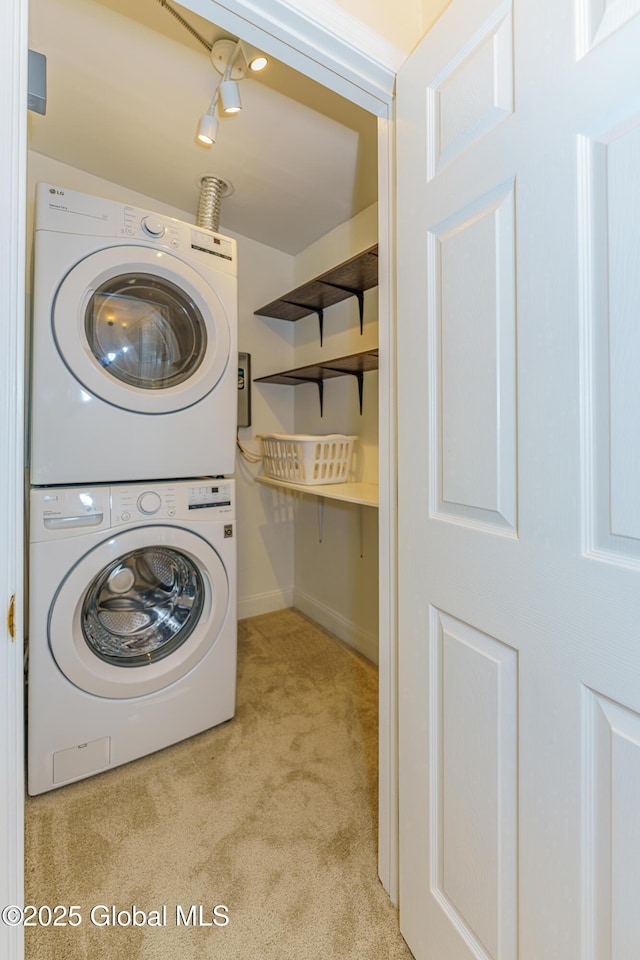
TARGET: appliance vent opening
(212,190)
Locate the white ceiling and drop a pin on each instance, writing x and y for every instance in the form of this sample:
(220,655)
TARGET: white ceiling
(126,85)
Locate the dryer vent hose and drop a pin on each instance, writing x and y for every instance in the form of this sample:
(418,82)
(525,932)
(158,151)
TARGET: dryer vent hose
(212,190)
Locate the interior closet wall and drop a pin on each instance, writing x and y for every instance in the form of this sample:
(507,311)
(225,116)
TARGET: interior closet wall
(336,580)
(265,536)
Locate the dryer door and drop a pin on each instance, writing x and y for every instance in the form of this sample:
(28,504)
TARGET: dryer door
(138,611)
(142,329)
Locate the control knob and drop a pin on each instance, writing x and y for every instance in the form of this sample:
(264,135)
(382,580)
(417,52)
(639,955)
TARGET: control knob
(153,226)
(149,503)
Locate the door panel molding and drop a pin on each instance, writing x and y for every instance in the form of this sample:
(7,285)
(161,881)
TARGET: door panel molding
(611,837)
(598,19)
(473,93)
(474,804)
(608,205)
(472,320)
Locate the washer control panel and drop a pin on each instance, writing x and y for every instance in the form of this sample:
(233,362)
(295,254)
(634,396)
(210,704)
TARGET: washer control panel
(140,502)
(61,512)
(205,499)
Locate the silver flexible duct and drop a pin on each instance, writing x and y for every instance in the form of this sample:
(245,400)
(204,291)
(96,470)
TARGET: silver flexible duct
(212,189)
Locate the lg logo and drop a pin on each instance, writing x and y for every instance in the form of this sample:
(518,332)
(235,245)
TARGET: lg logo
(59,193)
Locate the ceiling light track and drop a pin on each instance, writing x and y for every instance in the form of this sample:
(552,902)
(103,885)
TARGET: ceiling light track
(185,24)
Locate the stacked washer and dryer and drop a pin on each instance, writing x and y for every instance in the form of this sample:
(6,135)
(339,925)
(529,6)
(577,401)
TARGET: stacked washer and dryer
(132,611)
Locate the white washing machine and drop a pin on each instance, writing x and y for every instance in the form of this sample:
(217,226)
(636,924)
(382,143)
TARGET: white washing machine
(132,635)
(134,344)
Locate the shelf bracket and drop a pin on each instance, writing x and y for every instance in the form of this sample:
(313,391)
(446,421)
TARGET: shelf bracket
(317,310)
(320,518)
(319,384)
(358,374)
(352,292)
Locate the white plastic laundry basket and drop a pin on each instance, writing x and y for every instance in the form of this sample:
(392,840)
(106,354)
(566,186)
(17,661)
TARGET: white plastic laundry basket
(299,458)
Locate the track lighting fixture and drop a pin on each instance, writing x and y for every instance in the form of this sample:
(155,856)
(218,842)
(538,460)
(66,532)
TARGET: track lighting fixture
(232,59)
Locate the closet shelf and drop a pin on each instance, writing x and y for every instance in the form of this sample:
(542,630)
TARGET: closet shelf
(365,494)
(355,364)
(348,279)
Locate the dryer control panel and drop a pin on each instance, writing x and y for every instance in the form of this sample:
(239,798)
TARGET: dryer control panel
(196,243)
(67,211)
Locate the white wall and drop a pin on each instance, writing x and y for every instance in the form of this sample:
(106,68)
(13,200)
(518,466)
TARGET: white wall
(334,583)
(265,527)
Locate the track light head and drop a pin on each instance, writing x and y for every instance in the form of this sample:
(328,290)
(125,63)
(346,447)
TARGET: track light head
(207,129)
(258,63)
(230,96)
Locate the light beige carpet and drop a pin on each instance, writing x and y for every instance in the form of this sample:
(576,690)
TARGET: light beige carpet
(272,815)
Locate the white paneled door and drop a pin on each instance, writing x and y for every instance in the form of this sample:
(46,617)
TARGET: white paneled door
(519,490)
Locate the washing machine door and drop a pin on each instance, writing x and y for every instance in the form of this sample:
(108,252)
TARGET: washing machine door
(142,329)
(138,611)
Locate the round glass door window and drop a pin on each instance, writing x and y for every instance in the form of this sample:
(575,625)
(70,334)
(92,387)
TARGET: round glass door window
(145,331)
(142,607)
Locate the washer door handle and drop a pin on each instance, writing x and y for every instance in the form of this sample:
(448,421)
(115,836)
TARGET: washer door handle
(63,523)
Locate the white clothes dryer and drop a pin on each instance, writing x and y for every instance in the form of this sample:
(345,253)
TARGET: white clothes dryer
(132,634)
(134,344)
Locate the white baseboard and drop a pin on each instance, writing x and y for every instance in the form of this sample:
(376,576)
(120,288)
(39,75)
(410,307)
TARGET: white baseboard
(344,629)
(264,603)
